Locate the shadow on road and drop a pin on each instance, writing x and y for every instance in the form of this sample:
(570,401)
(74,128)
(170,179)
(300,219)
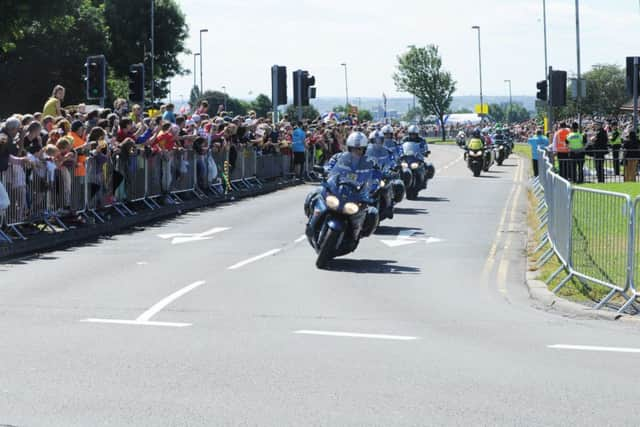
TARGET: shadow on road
(385,230)
(487,176)
(433,199)
(380,266)
(410,211)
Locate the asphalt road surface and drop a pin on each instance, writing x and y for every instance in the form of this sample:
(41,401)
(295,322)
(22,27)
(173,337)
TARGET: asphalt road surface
(219,317)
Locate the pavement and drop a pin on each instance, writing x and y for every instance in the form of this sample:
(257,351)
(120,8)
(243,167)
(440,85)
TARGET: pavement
(219,317)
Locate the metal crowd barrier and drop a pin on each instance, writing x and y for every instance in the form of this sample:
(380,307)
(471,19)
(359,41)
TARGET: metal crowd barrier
(39,193)
(593,233)
(600,167)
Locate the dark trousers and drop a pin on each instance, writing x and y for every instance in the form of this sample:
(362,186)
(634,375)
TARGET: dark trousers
(599,163)
(576,166)
(563,160)
(535,167)
(615,152)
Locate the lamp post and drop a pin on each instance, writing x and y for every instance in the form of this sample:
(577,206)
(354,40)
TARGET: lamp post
(510,102)
(194,69)
(578,98)
(204,30)
(477,27)
(153,97)
(224,90)
(346,87)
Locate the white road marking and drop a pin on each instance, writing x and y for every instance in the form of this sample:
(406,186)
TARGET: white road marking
(448,165)
(254,259)
(144,318)
(356,335)
(156,308)
(594,348)
(300,239)
(142,263)
(405,237)
(136,323)
(178,238)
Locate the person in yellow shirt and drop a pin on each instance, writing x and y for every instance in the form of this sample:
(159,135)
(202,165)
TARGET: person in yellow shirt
(53,105)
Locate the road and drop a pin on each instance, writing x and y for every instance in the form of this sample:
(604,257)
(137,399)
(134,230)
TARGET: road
(219,317)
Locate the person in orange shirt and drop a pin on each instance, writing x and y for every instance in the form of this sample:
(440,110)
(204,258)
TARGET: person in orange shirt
(79,146)
(561,149)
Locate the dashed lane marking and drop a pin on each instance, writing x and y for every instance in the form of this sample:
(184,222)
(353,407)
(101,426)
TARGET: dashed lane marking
(357,335)
(594,348)
(253,259)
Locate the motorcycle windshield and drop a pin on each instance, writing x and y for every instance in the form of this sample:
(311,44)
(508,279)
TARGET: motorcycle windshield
(354,186)
(412,149)
(380,156)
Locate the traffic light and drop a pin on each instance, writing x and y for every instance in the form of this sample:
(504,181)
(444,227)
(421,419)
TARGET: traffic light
(629,78)
(302,87)
(558,90)
(307,83)
(96,77)
(136,83)
(279,84)
(542,90)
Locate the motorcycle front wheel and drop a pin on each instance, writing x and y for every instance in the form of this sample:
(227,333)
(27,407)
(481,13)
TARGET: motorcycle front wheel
(326,248)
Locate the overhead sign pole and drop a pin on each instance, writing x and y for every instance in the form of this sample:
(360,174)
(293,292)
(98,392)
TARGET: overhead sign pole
(635,94)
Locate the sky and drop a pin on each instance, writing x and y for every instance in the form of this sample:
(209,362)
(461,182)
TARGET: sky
(247,37)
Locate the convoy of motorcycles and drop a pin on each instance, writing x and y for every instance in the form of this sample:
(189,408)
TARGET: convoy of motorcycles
(361,187)
(484,148)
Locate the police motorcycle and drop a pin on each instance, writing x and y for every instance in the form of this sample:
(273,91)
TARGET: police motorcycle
(341,211)
(502,148)
(416,171)
(391,188)
(489,154)
(474,154)
(461,139)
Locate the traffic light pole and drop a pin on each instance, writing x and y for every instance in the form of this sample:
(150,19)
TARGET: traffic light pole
(274,94)
(299,106)
(550,105)
(635,94)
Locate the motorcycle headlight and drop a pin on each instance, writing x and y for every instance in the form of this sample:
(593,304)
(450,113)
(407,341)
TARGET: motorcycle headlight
(475,153)
(500,147)
(415,165)
(382,183)
(404,164)
(351,208)
(332,202)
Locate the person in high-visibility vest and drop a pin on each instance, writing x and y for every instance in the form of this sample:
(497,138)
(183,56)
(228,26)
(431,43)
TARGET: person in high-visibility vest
(576,144)
(615,140)
(561,149)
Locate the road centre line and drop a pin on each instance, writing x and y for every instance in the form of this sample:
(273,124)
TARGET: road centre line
(253,259)
(494,247)
(503,267)
(300,239)
(448,165)
(144,318)
(357,335)
(594,348)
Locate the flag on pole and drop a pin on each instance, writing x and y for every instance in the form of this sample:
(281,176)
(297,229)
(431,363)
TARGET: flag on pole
(384,100)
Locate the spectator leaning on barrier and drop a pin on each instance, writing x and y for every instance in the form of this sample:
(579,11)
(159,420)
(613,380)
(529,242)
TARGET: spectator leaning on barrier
(561,149)
(537,141)
(168,115)
(79,146)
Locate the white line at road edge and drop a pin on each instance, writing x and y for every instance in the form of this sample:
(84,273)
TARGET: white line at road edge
(254,259)
(594,348)
(355,335)
(301,238)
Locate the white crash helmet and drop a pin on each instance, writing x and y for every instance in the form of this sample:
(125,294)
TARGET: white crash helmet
(357,140)
(461,134)
(413,129)
(376,136)
(387,129)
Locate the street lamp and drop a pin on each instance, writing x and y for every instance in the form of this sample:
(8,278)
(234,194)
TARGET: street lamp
(194,69)
(477,27)
(153,97)
(224,90)
(510,102)
(346,85)
(578,84)
(204,30)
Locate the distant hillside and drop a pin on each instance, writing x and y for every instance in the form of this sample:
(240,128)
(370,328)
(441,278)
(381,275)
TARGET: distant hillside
(401,105)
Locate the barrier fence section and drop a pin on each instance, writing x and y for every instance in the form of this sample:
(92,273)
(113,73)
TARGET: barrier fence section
(593,233)
(601,166)
(42,194)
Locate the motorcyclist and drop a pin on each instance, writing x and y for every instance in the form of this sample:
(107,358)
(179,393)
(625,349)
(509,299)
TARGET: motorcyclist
(476,142)
(461,139)
(499,138)
(390,142)
(413,135)
(353,161)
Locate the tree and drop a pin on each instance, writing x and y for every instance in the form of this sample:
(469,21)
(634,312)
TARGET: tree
(216,98)
(261,105)
(129,23)
(364,116)
(195,96)
(420,73)
(308,112)
(50,52)
(413,114)
(606,89)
